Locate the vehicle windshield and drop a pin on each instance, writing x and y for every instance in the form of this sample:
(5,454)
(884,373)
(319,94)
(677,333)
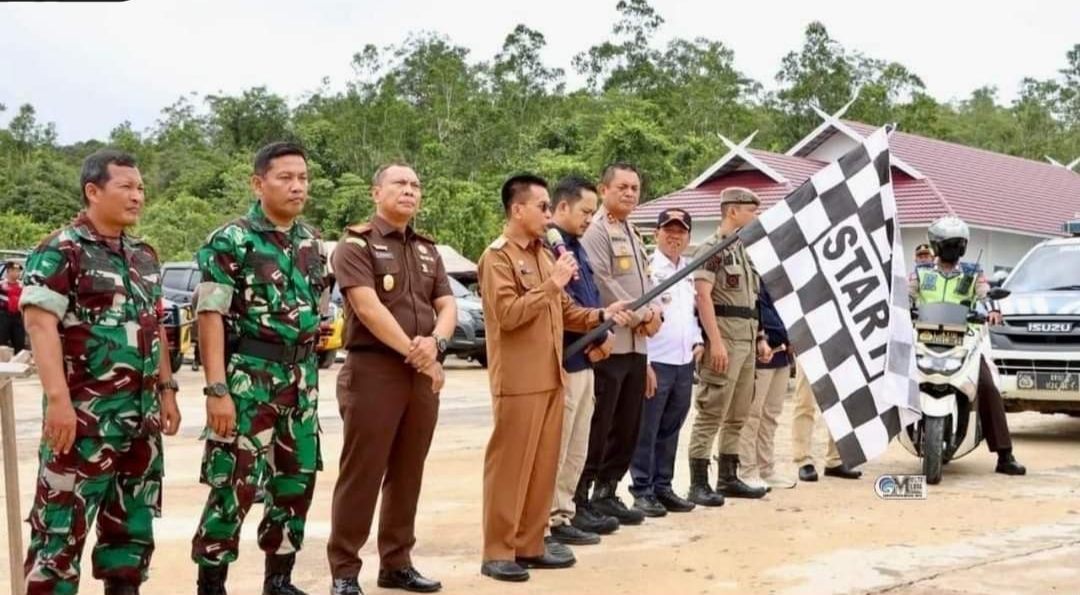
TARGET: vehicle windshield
(1048,268)
(460,291)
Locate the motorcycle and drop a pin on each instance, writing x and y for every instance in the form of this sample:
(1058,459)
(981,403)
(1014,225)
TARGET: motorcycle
(950,341)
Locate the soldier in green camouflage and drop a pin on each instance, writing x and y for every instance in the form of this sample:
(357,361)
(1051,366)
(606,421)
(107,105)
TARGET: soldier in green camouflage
(92,307)
(263,275)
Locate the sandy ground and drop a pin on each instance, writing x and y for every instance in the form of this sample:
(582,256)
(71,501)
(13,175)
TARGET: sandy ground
(977,533)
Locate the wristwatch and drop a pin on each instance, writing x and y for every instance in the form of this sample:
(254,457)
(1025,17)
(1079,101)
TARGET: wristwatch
(217,389)
(440,343)
(169,384)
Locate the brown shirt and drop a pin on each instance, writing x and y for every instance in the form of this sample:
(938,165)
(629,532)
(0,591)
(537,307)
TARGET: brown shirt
(405,271)
(525,313)
(734,283)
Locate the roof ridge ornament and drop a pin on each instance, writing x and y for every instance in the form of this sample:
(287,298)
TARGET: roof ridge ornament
(737,150)
(1057,163)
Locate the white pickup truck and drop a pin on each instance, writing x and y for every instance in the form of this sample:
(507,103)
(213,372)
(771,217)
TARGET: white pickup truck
(1037,349)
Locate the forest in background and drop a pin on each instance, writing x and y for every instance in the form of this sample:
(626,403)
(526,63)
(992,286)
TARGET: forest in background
(466,124)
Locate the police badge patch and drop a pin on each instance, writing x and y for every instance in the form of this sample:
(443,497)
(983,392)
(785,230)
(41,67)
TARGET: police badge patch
(732,282)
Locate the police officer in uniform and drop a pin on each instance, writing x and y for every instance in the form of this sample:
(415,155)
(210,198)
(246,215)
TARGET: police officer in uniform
(620,268)
(399,314)
(92,304)
(954,282)
(727,293)
(258,306)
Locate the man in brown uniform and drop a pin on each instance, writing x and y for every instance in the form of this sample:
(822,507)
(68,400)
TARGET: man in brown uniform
(399,313)
(525,311)
(727,293)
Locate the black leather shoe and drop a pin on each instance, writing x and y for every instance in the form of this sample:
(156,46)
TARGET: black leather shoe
(587,519)
(345,586)
(1008,465)
(604,501)
(571,535)
(650,506)
(408,579)
(843,472)
(555,556)
(673,503)
(807,473)
(115,587)
(504,570)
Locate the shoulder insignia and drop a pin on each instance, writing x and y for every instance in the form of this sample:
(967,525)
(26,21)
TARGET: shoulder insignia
(354,240)
(498,243)
(359,228)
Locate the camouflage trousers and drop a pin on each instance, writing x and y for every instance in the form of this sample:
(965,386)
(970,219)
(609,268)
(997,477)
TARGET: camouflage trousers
(273,442)
(115,480)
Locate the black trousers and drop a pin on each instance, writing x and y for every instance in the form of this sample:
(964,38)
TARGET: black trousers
(995,425)
(620,391)
(12,333)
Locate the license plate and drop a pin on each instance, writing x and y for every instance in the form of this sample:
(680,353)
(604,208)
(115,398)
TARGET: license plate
(1048,381)
(944,338)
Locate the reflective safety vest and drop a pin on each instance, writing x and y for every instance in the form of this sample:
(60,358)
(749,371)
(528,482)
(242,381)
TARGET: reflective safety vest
(935,287)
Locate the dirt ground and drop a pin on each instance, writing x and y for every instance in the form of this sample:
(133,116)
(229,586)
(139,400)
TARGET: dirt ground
(977,533)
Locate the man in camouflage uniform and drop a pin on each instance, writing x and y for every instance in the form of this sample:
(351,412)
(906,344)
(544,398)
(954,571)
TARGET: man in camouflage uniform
(263,275)
(93,310)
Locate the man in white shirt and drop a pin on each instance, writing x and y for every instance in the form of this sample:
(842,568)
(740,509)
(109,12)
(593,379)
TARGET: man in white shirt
(672,353)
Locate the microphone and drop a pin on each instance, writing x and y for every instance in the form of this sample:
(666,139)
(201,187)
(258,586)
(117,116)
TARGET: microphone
(555,239)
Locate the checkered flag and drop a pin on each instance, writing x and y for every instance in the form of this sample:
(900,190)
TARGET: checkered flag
(830,256)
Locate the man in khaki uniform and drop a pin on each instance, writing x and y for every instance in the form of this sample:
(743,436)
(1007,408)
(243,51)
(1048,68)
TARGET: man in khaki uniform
(526,311)
(802,435)
(727,293)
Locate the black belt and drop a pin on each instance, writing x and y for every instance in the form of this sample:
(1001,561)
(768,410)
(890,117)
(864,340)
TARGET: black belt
(275,352)
(735,311)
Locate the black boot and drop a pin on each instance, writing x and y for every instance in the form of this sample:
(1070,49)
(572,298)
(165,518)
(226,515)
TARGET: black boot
(586,518)
(729,484)
(212,580)
(278,579)
(700,490)
(116,587)
(605,501)
(1008,465)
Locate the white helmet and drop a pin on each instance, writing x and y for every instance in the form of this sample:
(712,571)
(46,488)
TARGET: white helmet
(949,238)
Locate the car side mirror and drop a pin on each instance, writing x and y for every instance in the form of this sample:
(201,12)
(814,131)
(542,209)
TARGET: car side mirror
(997,293)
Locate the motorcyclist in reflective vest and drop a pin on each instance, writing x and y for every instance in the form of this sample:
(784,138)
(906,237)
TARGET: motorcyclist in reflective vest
(951,281)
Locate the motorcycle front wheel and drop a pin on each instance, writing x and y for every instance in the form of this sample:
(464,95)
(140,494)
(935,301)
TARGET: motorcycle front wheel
(933,445)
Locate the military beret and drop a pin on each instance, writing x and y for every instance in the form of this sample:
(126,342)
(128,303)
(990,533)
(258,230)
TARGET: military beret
(738,196)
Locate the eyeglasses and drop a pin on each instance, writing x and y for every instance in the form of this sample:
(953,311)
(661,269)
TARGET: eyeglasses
(545,207)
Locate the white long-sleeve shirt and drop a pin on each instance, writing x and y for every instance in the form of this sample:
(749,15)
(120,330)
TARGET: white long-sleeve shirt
(674,343)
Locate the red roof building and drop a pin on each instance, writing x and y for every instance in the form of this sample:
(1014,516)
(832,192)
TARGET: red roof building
(1010,203)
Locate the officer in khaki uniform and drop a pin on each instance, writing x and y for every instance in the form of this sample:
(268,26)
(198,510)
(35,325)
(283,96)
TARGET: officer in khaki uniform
(727,291)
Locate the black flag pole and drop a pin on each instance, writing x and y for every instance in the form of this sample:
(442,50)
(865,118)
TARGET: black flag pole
(650,295)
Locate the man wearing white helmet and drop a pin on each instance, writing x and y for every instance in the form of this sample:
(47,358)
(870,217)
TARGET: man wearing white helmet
(951,281)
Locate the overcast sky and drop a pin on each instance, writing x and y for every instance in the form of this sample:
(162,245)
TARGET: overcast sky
(88,67)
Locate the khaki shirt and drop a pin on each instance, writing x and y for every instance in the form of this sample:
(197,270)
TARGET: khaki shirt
(525,314)
(405,270)
(734,283)
(620,269)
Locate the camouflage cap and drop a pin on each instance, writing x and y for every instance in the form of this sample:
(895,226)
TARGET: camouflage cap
(738,196)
